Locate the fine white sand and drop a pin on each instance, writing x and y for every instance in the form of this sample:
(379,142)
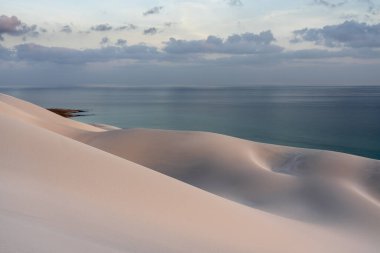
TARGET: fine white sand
(71,187)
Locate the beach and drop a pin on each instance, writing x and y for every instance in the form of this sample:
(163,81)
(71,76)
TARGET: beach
(68,186)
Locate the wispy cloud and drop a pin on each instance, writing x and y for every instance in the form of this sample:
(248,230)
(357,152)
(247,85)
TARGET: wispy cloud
(154,10)
(234,2)
(372,9)
(121,42)
(101,28)
(330,4)
(126,27)
(104,41)
(169,24)
(66,29)
(150,31)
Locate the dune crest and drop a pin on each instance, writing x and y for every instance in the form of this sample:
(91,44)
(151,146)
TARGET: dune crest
(71,187)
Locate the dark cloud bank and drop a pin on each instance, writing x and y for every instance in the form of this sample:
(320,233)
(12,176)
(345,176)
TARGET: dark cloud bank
(349,34)
(34,52)
(247,43)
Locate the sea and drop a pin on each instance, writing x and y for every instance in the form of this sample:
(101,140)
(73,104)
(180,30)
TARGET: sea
(337,118)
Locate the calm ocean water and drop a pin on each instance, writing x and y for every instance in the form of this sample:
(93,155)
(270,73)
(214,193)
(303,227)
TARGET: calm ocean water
(343,119)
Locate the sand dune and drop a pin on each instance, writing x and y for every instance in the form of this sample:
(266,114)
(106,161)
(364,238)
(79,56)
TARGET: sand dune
(108,192)
(312,185)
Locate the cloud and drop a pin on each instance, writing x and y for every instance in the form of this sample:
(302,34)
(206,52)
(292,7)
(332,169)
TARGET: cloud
(169,24)
(121,42)
(371,6)
(66,29)
(5,53)
(126,27)
(237,49)
(150,31)
(234,2)
(329,4)
(101,28)
(312,54)
(14,27)
(38,53)
(348,34)
(154,10)
(104,41)
(247,43)
(303,57)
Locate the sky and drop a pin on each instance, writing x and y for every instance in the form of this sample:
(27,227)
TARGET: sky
(185,43)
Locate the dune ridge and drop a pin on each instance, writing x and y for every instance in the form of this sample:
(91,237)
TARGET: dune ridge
(66,186)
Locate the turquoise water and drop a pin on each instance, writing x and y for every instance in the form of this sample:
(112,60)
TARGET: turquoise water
(343,119)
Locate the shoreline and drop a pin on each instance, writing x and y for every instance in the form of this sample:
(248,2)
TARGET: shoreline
(339,120)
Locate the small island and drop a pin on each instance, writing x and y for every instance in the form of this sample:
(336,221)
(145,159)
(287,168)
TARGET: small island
(68,113)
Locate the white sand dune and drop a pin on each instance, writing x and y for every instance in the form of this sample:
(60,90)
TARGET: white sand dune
(311,185)
(95,195)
